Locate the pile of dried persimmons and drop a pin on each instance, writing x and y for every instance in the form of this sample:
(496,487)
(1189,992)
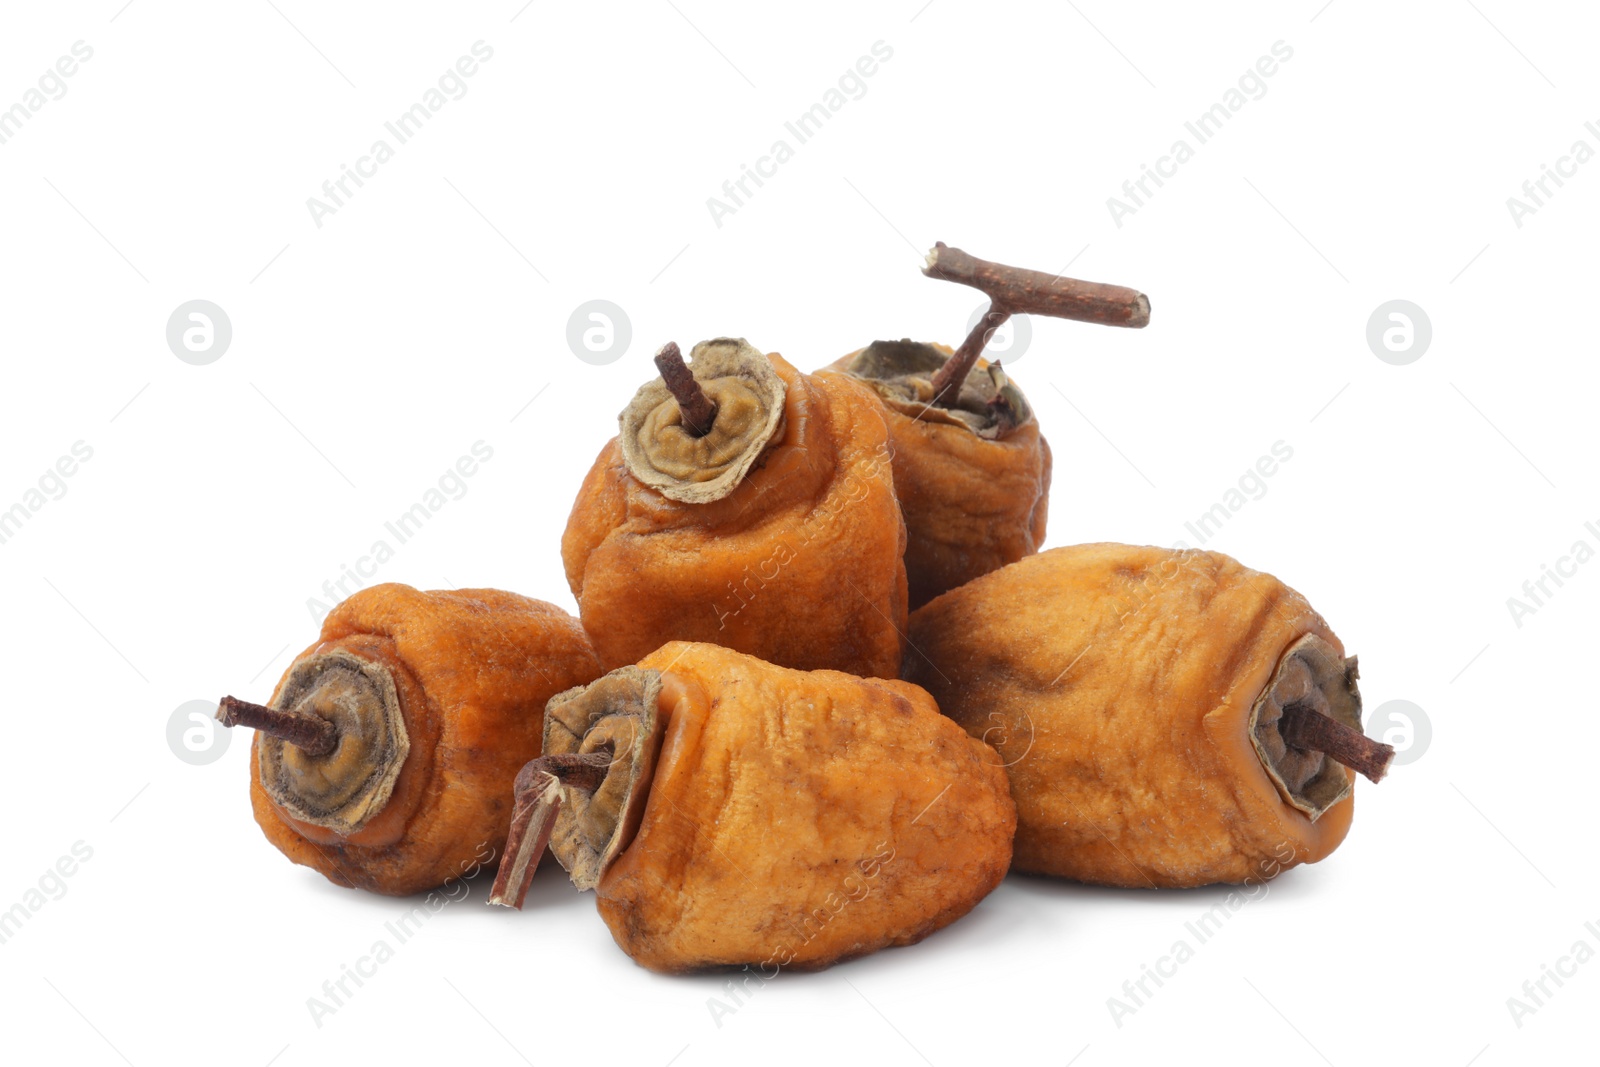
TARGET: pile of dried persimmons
(825,690)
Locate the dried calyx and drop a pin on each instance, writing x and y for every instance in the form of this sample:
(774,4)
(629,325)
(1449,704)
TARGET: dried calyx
(927,383)
(695,432)
(584,797)
(1306,728)
(902,372)
(333,742)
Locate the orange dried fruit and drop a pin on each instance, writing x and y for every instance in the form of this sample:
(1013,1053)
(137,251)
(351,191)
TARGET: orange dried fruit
(1167,717)
(729,812)
(970,466)
(972,503)
(748,505)
(386,753)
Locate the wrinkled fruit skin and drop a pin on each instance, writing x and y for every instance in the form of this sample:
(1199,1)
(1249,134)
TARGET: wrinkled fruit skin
(799,819)
(1117,683)
(800,565)
(971,505)
(474,668)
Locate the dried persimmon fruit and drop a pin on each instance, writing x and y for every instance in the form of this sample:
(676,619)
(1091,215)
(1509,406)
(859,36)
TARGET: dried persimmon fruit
(1168,717)
(386,754)
(728,812)
(748,505)
(972,503)
(970,466)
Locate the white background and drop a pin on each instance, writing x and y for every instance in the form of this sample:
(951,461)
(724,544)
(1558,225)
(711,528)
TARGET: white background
(430,313)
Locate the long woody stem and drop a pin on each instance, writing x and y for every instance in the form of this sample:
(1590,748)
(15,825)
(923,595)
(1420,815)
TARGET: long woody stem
(538,793)
(1306,728)
(699,413)
(312,734)
(1014,291)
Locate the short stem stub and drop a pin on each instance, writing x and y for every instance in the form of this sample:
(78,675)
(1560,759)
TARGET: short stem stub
(311,734)
(1308,729)
(1014,291)
(538,795)
(699,413)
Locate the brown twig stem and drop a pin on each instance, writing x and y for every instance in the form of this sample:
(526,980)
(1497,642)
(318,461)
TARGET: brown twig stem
(1306,728)
(1014,291)
(312,734)
(699,413)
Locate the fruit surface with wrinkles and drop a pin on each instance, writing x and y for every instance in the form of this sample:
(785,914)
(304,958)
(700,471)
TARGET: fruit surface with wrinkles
(800,564)
(472,669)
(1118,684)
(973,499)
(797,819)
